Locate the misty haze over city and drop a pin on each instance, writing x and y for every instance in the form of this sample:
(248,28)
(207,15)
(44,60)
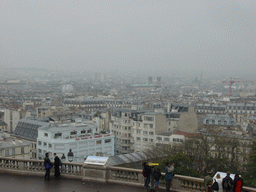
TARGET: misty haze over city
(147,37)
(134,94)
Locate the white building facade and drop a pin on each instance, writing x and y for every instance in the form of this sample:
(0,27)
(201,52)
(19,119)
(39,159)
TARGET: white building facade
(82,139)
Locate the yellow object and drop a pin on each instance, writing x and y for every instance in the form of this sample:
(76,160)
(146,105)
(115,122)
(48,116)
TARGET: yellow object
(153,164)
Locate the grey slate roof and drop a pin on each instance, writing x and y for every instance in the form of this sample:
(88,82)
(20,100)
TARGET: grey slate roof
(28,129)
(127,158)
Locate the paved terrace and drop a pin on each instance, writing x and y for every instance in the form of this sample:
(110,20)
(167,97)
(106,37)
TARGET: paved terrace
(21,183)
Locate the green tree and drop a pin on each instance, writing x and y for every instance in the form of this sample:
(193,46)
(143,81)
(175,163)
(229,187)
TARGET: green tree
(182,165)
(250,174)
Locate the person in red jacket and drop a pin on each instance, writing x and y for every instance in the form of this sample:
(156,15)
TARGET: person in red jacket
(238,183)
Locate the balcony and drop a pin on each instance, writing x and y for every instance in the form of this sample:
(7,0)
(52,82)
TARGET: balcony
(72,175)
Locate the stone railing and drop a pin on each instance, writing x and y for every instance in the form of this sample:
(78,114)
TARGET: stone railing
(99,174)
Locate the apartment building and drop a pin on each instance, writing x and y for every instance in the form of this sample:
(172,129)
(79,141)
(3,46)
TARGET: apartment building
(15,148)
(238,108)
(83,139)
(11,118)
(135,130)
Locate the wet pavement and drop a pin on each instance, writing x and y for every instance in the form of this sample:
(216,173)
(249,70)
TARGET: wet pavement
(18,183)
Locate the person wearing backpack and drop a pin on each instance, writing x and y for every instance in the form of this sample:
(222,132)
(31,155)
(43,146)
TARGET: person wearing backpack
(146,173)
(238,183)
(218,180)
(227,183)
(157,175)
(208,182)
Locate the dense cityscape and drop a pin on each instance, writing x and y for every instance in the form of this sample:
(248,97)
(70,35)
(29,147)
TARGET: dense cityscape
(127,95)
(98,115)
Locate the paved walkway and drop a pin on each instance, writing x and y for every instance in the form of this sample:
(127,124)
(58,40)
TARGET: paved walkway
(17,183)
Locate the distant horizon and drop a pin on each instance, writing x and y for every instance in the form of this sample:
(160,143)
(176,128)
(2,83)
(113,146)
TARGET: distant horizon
(146,37)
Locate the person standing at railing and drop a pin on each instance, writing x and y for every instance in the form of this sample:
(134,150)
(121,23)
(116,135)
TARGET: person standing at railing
(57,164)
(157,175)
(168,175)
(238,183)
(208,182)
(146,173)
(48,165)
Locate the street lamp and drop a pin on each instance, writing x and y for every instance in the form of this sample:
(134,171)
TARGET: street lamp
(63,158)
(70,155)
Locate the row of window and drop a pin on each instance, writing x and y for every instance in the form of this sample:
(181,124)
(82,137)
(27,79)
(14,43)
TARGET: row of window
(8,152)
(91,143)
(145,139)
(145,132)
(168,139)
(219,122)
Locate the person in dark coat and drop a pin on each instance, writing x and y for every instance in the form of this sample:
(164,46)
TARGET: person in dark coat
(157,176)
(57,164)
(238,183)
(168,175)
(48,165)
(146,174)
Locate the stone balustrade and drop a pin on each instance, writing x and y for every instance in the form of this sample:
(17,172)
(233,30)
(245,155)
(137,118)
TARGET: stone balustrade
(99,174)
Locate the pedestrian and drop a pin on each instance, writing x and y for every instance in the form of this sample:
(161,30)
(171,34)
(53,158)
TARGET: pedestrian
(227,183)
(168,175)
(146,173)
(219,181)
(57,164)
(238,183)
(48,165)
(208,182)
(157,175)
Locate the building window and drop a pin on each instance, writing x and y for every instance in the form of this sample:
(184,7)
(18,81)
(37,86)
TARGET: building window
(45,144)
(39,143)
(174,140)
(50,145)
(181,140)
(6,152)
(166,139)
(39,150)
(225,122)
(57,135)
(219,122)
(151,140)
(73,133)
(151,133)
(13,151)
(159,138)
(98,142)
(147,118)
(207,121)
(89,131)
(151,126)
(22,150)
(138,138)
(0,152)
(46,134)
(107,140)
(145,139)
(213,122)
(83,132)
(138,131)
(145,132)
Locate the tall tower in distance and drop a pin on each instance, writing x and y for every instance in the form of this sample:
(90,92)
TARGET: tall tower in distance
(158,79)
(150,80)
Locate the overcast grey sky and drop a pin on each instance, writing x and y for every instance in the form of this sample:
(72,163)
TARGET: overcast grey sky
(129,35)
